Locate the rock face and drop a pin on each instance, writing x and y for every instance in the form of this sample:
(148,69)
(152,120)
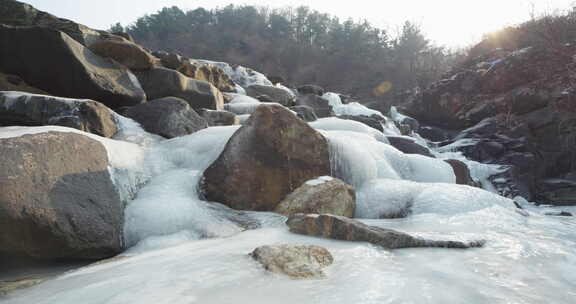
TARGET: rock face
(57,198)
(321,195)
(311,89)
(162,82)
(22,14)
(197,70)
(219,118)
(272,154)
(168,117)
(273,94)
(36,53)
(295,261)
(343,228)
(15,83)
(24,109)
(124,52)
(409,146)
(319,104)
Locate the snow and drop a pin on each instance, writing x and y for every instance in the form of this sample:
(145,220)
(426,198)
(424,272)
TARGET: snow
(333,99)
(353,108)
(319,180)
(336,124)
(242,76)
(238,98)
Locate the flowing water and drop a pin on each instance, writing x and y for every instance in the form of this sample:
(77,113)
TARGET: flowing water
(184,250)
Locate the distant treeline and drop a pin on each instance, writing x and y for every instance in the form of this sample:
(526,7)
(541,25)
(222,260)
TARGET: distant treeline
(302,45)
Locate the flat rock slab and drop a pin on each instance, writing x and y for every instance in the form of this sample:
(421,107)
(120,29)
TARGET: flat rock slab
(343,228)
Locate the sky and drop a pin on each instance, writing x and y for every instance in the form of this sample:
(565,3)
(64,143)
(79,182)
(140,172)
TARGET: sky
(451,23)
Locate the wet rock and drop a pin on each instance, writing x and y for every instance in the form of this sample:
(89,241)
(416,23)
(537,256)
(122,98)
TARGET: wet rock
(322,195)
(124,52)
(311,89)
(25,109)
(306,113)
(168,117)
(163,82)
(275,94)
(343,228)
(53,62)
(270,156)
(219,118)
(57,198)
(371,121)
(409,146)
(432,133)
(295,261)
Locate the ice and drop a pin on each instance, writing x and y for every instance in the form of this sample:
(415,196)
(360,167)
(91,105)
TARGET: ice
(333,99)
(318,181)
(243,76)
(239,98)
(356,109)
(337,124)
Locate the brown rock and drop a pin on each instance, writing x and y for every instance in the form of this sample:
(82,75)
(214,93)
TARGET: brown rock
(52,61)
(219,118)
(272,154)
(295,261)
(24,109)
(124,52)
(320,105)
(322,195)
(57,198)
(15,83)
(462,172)
(274,94)
(343,228)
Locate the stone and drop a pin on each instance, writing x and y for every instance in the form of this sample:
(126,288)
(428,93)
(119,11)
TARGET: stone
(270,156)
(219,118)
(295,261)
(409,146)
(322,195)
(58,199)
(275,94)
(305,113)
(162,82)
(50,60)
(311,89)
(124,52)
(346,229)
(371,121)
(15,83)
(320,105)
(168,117)
(25,109)
(462,172)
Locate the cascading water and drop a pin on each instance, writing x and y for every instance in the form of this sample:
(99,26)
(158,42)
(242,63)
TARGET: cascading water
(527,259)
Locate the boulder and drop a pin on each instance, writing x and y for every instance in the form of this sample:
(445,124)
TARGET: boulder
(168,117)
(462,172)
(311,89)
(197,70)
(346,229)
(270,156)
(320,105)
(219,118)
(305,113)
(21,14)
(124,52)
(57,198)
(163,82)
(409,146)
(52,61)
(322,195)
(295,261)
(558,192)
(275,94)
(25,109)
(15,83)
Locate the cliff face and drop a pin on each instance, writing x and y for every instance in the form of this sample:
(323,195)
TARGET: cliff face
(520,108)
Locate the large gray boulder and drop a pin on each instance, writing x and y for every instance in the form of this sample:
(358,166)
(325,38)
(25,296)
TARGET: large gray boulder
(162,82)
(320,105)
(168,117)
(25,109)
(346,229)
(274,94)
(271,155)
(124,52)
(57,198)
(295,261)
(322,195)
(219,118)
(50,60)
(409,145)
